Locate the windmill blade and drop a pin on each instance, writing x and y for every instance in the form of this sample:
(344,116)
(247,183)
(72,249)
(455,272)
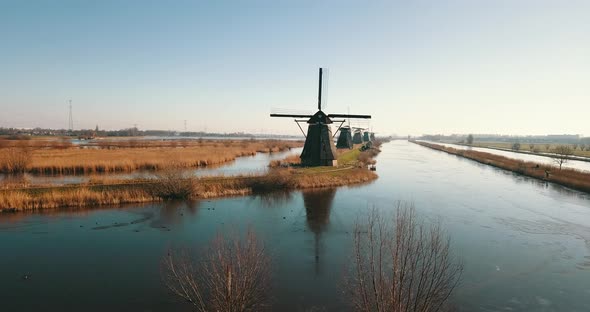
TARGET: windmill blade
(291,115)
(349,116)
(323,89)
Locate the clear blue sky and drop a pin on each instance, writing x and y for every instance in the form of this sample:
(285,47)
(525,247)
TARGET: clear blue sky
(511,66)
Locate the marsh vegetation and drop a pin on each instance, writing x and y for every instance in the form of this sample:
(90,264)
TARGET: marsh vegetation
(53,158)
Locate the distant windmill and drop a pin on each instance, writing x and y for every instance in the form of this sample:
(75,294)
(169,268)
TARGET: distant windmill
(366,136)
(319,149)
(357,137)
(345,138)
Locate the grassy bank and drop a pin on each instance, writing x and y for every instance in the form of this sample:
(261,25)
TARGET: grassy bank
(175,183)
(580,150)
(139,191)
(346,157)
(574,179)
(126,156)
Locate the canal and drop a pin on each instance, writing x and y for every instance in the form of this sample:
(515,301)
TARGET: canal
(525,243)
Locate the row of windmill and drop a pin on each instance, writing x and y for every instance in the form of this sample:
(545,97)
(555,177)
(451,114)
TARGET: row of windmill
(347,139)
(319,148)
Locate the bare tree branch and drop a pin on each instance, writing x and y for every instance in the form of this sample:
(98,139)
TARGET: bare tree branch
(561,154)
(232,276)
(400,264)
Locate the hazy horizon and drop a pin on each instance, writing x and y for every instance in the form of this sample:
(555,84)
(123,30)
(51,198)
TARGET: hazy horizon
(502,67)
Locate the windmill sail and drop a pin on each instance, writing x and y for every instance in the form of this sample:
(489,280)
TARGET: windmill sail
(323,89)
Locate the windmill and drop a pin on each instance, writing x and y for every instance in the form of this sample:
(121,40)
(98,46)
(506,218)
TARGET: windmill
(345,138)
(357,137)
(366,136)
(319,149)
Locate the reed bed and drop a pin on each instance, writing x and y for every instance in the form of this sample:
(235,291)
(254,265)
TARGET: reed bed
(28,142)
(571,178)
(285,162)
(261,145)
(151,190)
(335,178)
(75,197)
(53,161)
(173,183)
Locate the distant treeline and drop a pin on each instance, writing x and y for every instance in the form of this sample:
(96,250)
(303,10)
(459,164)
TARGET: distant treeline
(129,132)
(551,138)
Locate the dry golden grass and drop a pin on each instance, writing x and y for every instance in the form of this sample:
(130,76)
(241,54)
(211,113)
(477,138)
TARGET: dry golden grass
(333,178)
(75,197)
(142,190)
(206,153)
(108,191)
(285,162)
(54,142)
(15,160)
(574,179)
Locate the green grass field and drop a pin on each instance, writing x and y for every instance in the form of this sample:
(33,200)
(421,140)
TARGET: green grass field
(349,157)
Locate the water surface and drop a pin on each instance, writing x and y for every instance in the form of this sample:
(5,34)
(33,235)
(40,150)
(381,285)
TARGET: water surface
(525,243)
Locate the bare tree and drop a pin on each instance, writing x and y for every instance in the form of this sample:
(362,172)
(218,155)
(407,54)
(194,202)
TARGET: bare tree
(516,146)
(232,276)
(173,182)
(561,154)
(401,264)
(470,139)
(532,147)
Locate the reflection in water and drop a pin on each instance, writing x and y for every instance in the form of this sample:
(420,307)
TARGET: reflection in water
(59,213)
(318,204)
(274,199)
(13,180)
(172,213)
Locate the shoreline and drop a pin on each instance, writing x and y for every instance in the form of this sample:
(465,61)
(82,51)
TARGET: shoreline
(544,154)
(180,187)
(574,179)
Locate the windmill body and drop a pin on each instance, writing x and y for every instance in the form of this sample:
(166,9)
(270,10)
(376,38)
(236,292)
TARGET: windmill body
(345,138)
(357,138)
(366,137)
(319,148)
